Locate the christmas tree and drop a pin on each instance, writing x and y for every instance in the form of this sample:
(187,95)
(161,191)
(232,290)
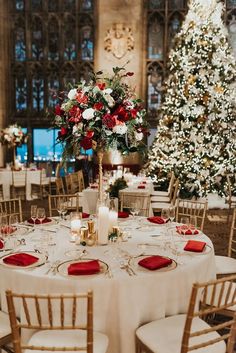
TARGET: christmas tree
(196,134)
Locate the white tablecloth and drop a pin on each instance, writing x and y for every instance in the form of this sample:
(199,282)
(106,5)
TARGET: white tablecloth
(124,302)
(33,176)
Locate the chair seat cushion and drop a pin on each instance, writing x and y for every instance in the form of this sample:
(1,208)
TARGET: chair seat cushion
(165,335)
(67,338)
(5,328)
(225,265)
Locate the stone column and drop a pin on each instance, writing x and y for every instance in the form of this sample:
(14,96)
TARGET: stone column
(4,69)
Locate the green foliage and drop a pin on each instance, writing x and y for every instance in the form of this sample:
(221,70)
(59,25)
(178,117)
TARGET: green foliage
(118,185)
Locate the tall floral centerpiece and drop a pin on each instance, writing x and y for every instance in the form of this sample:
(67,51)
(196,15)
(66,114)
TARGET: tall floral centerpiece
(13,136)
(102,114)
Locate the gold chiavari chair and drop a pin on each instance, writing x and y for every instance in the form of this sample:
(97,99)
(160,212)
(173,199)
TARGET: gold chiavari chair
(142,201)
(157,203)
(68,183)
(18,187)
(60,323)
(164,196)
(42,187)
(11,207)
(70,202)
(5,332)
(60,189)
(227,264)
(190,332)
(1,192)
(81,180)
(192,208)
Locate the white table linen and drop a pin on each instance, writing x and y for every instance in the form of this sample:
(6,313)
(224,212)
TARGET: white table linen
(121,303)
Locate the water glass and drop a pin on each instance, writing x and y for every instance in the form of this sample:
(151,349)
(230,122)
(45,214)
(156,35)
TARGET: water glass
(41,214)
(33,213)
(165,214)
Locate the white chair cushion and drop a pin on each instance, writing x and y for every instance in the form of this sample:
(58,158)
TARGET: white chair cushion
(160,198)
(70,338)
(160,193)
(225,265)
(5,328)
(165,335)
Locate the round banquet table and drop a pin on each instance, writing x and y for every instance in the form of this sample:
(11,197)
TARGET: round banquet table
(121,302)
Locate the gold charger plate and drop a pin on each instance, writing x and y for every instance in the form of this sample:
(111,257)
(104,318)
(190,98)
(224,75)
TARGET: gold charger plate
(41,260)
(62,268)
(133,262)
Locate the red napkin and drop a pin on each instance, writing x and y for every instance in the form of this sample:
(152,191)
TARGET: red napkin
(154,262)
(1,244)
(84,268)
(144,182)
(122,214)
(8,230)
(195,246)
(184,230)
(37,221)
(157,220)
(21,259)
(93,186)
(141,186)
(85,215)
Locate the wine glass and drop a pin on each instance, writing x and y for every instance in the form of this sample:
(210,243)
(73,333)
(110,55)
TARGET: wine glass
(4,226)
(41,214)
(33,213)
(171,213)
(60,208)
(134,209)
(165,214)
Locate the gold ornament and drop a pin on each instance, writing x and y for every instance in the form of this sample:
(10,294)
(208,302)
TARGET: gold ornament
(205,98)
(186,91)
(191,79)
(201,119)
(219,89)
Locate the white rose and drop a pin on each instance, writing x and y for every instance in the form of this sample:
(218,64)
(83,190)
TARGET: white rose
(120,129)
(88,113)
(109,99)
(107,91)
(72,94)
(138,136)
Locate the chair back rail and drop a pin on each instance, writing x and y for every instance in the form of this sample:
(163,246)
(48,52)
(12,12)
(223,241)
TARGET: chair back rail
(11,207)
(70,201)
(232,236)
(191,208)
(51,312)
(142,201)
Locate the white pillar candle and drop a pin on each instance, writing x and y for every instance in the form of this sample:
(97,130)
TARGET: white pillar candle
(113,219)
(103,225)
(75,224)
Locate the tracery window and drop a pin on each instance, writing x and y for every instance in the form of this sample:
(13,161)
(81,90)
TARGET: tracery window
(164,19)
(52,46)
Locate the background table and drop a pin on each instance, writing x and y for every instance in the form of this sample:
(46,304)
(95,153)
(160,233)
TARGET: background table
(124,302)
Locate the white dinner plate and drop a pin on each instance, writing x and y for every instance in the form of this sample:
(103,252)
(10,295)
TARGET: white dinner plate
(133,262)
(62,268)
(40,262)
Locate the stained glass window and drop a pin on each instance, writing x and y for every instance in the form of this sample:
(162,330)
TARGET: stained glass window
(20,50)
(69,5)
(70,39)
(174,27)
(86,43)
(20,5)
(53,40)
(53,88)
(156,4)
(38,92)
(86,5)
(53,6)
(20,93)
(231,3)
(176,4)
(155,39)
(154,87)
(37,39)
(36,5)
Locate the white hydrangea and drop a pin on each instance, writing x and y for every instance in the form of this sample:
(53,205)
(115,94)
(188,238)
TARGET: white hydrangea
(120,129)
(72,93)
(88,114)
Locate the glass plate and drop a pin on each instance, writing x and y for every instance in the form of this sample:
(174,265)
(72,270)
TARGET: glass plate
(181,244)
(63,266)
(40,262)
(134,263)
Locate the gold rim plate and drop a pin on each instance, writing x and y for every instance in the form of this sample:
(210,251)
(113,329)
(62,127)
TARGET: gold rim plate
(135,260)
(41,260)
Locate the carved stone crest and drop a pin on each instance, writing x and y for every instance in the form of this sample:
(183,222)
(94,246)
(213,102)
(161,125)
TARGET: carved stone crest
(119,40)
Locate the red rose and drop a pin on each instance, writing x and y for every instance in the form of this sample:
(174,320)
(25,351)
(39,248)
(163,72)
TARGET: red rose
(109,121)
(133,113)
(98,106)
(81,98)
(121,114)
(129,73)
(86,143)
(101,86)
(75,114)
(89,134)
(58,110)
(62,132)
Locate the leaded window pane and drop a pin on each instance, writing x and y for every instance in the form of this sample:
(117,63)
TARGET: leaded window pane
(20,49)
(53,5)
(174,27)
(53,88)
(53,40)
(155,39)
(37,5)
(38,93)
(20,5)
(70,39)
(231,3)
(176,4)
(156,4)
(86,5)
(69,5)
(20,93)
(154,89)
(86,43)
(37,39)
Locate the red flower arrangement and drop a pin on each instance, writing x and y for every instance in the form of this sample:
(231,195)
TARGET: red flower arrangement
(102,114)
